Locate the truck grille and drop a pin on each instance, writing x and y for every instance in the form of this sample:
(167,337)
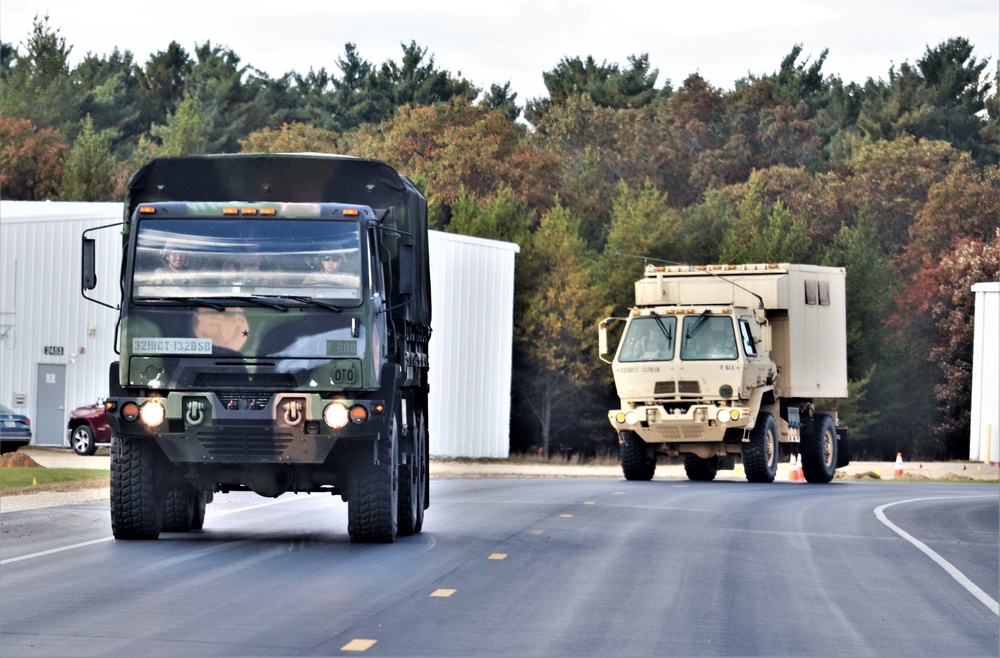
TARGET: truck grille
(665,388)
(226,446)
(689,387)
(234,401)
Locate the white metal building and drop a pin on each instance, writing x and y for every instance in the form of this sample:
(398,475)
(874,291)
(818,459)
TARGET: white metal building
(984,439)
(55,346)
(472,283)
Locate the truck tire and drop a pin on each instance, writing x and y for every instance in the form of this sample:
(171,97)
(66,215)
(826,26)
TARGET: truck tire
(637,463)
(819,449)
(179,509)
(373,504)
(760,455)
(82,441)
(412,480)
(700,469)
(198,520)
(136,503)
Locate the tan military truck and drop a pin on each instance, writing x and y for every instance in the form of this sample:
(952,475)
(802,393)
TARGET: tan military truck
(720,364)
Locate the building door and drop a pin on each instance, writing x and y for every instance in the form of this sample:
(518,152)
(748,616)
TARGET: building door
(49,423)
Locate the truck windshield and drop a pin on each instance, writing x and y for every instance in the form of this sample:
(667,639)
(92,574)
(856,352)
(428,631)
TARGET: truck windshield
(649,339)
(206,258)
(708,338)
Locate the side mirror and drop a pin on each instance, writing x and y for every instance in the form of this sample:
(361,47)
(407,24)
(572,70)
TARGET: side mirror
(89,274)
(88,268)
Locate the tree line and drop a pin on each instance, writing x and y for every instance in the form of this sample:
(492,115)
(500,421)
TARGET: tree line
(896,179)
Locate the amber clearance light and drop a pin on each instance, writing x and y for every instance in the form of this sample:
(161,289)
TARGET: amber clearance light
(130,412)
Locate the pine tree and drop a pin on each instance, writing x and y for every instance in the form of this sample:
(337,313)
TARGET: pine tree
(89,169)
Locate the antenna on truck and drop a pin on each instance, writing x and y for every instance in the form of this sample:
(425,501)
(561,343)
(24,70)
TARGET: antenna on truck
(646,259)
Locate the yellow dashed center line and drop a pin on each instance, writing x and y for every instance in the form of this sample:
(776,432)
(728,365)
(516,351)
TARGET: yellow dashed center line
(590,502)
(565,516)
(358,645)
(497,556)
(535,532)
(443,593)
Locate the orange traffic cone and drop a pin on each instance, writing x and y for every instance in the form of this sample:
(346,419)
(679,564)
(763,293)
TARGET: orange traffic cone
(899,466)
(793,472)
(798,468)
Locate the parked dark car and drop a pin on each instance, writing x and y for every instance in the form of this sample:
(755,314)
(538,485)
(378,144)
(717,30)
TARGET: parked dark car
(87,428)
(15,430)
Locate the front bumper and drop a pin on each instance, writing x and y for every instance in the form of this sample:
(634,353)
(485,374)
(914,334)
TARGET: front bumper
(700,423)
(285,428)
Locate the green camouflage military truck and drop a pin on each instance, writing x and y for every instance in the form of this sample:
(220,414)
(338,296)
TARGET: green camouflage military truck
(722,364)
(275,313)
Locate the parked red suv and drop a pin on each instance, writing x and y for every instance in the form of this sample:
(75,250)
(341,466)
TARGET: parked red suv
(88,427)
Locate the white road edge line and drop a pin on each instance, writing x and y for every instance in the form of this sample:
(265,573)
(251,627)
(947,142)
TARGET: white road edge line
(941,562)
(51,551)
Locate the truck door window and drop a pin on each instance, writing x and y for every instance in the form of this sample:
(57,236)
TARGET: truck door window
(749,347)
(708,337)
(649,339)
(218,257)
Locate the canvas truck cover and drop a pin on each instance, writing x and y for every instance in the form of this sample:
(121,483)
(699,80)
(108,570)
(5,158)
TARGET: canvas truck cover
(293,178)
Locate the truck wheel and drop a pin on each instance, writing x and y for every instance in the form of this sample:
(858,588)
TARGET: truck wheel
(637,463)
(179,509)
(760,455)
(699,469)
(136,504)
(374,491)
(82,441)
(412,483)
(819,449)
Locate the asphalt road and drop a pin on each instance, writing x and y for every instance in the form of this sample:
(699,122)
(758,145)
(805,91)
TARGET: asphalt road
(524,567)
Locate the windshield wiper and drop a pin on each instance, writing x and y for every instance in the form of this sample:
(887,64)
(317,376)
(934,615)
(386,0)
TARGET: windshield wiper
(263,300)
(697,325)
(220,303)
(197,301)
(312,300)
(663,328)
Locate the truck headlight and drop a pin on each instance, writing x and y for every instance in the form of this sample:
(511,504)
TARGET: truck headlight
(336,415)
(631,418)
(723,415)
(152,413)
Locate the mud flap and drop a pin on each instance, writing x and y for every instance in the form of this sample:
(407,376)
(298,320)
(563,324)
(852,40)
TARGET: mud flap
(843,448)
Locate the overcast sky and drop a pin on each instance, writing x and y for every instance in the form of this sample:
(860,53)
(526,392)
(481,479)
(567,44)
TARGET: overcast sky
(517,40)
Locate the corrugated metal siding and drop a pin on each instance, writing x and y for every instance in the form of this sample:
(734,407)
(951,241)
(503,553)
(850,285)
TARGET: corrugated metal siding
(41,305)
(470,349)
(472,282)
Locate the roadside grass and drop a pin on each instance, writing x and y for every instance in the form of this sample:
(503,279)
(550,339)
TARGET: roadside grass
(30,479)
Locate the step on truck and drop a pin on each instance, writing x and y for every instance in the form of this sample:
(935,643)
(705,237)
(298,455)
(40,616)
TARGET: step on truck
(723,364)
(275,313)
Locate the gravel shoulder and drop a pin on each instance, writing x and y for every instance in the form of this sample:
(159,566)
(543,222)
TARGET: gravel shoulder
(469,468)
